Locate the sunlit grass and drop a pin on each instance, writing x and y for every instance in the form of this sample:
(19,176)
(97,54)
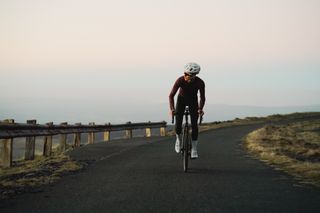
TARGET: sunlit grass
(294,148)
(25,175)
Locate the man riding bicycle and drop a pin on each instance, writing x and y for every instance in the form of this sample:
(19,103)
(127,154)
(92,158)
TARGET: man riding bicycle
(189,85)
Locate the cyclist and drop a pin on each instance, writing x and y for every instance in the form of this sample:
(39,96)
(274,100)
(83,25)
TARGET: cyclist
(189,85)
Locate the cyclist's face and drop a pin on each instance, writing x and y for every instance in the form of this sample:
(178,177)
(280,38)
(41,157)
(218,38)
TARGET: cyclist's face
(189,78)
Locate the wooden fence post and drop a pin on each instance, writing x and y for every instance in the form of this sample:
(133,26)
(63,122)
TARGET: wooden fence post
(91,135)
(47,144)
(77,137)
(30,144)
(7,148)
(63,139)
(106,134)
(129,131)
(162,131)
(148,132)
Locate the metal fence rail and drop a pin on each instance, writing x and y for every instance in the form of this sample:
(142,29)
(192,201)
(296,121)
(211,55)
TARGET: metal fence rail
(10,130)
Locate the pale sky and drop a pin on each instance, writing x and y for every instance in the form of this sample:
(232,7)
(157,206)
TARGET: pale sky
(107,54)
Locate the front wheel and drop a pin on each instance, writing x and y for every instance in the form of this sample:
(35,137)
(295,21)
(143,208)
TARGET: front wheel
(186,150)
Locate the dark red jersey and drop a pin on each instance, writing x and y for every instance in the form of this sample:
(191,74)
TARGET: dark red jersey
(189,91)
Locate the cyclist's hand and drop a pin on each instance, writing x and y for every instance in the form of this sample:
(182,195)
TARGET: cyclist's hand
(173,112)
(201,113)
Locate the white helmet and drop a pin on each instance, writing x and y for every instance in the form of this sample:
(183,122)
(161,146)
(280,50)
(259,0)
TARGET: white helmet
(192,68)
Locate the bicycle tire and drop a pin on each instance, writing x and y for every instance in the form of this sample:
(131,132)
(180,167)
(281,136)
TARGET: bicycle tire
(185,148)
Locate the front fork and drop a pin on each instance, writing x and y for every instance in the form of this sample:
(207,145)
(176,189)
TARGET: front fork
(185,142)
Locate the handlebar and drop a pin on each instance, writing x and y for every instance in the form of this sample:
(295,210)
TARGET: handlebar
(201,118)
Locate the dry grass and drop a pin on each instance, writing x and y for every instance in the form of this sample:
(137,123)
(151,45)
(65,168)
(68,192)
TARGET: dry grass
(223,124)
(294,148)
(29,175)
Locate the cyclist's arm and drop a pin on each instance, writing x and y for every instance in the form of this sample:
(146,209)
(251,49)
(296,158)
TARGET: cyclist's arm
(173,93)
(202,96)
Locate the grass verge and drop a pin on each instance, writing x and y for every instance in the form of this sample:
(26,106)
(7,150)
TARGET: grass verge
(293,148)
(28,176)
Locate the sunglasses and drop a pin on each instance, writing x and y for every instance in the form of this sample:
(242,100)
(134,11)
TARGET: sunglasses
(189,75)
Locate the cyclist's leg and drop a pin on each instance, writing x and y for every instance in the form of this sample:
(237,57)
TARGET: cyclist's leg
(195,131)
(194,120)
(180,107)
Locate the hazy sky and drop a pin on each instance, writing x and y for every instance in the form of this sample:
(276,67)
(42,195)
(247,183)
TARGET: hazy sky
(63,56)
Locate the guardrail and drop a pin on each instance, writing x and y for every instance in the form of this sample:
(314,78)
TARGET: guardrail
(10,130)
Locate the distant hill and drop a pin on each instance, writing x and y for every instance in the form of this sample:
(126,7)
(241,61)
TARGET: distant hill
(221,112)
(135,112)
(229,112)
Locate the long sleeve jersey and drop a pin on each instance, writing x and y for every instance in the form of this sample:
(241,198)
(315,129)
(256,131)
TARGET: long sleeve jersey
(189,91)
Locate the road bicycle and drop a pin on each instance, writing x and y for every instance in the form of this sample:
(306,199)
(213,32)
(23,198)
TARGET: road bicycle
(186,139)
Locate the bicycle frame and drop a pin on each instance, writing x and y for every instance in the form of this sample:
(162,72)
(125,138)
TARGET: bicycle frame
(186,139)
(200,122)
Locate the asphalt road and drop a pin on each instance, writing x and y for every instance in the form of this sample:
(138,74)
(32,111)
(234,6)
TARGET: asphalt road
(146,175)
